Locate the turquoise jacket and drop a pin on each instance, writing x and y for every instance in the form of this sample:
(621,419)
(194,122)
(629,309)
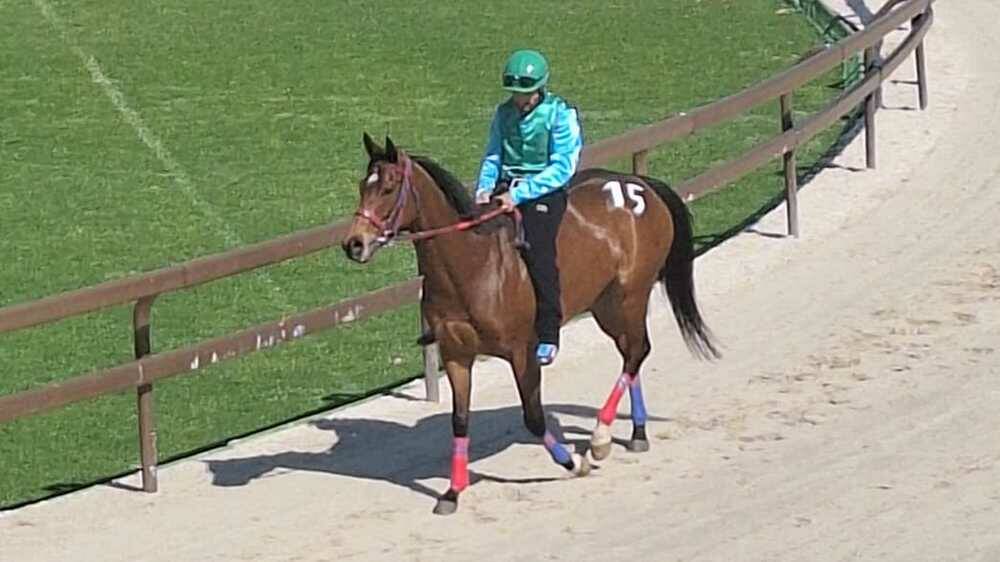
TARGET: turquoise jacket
(541,148)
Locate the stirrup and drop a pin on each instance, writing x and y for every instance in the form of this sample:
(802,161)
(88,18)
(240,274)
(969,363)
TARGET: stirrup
(546,353)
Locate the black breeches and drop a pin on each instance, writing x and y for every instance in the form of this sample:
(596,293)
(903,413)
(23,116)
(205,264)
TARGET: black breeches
(541,218)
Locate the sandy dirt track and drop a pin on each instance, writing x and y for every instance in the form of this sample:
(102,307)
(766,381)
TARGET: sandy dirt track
(855,415)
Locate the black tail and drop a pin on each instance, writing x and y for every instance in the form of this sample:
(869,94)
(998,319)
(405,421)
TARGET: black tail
(678,276)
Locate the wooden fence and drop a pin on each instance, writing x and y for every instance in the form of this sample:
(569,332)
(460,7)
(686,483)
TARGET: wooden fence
(142,290)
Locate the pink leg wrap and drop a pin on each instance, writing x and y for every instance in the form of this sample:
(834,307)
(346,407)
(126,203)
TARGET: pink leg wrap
(610,409)
(460,464)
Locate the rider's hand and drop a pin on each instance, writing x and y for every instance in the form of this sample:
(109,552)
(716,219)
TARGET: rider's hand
(482,198)
(506,201)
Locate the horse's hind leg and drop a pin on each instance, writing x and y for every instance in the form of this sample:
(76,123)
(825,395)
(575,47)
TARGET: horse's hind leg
(528,375)
(624,320)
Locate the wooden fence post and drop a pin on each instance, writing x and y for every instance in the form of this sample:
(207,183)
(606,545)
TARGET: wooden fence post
(921,67)
(791,178)
(147,421)
(432,360)
(640,163)
(871,106)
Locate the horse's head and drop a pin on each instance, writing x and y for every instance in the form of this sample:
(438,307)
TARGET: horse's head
(387,201)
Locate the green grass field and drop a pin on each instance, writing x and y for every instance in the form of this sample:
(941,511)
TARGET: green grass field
(141,134)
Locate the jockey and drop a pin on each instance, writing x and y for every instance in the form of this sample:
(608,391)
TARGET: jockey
(534,148)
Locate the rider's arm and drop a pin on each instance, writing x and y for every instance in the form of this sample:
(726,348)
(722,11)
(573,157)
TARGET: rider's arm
(489,171)
(566,142)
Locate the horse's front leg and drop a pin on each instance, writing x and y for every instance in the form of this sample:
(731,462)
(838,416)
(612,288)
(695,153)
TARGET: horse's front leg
(528,375)
(459,370)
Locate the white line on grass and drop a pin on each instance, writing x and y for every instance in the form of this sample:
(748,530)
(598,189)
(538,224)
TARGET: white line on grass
(145,134)
(132,117)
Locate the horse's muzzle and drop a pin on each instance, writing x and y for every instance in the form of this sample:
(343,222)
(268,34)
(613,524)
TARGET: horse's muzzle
(356,249)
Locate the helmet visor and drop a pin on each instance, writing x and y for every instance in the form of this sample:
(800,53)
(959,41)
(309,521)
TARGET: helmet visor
(520,82)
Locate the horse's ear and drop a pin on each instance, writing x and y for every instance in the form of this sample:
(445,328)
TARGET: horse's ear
(392,155)
(374,150)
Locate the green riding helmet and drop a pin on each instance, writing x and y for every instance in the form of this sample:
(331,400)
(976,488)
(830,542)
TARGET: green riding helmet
(526,71)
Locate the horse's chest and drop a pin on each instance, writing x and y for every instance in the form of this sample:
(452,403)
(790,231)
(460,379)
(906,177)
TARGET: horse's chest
(492,296)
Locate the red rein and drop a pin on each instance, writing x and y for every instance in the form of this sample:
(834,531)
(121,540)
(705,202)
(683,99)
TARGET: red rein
(389,227)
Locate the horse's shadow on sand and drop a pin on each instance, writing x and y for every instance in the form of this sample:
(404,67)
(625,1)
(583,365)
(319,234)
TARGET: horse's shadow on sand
(403,455)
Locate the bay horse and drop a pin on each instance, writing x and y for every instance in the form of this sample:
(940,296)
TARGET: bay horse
(620,235)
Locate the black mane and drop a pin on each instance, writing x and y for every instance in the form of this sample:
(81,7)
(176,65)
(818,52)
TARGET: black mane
(453,190)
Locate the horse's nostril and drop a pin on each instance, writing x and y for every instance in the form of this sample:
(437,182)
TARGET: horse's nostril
(354,248)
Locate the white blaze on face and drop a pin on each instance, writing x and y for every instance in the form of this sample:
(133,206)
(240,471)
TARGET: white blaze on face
(372,178)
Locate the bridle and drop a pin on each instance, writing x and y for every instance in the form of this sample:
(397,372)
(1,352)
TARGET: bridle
(388,227)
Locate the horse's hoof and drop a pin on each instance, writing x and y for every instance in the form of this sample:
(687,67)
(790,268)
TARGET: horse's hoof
(447,503)
(600,452)
(600,442)
(445,507)
(638,446)
(581,466)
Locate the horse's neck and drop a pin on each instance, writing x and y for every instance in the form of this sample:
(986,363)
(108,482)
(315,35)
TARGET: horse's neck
(453,264)
(433,208)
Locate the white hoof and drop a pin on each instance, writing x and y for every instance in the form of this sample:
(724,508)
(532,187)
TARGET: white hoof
(581,467)
(600,442)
